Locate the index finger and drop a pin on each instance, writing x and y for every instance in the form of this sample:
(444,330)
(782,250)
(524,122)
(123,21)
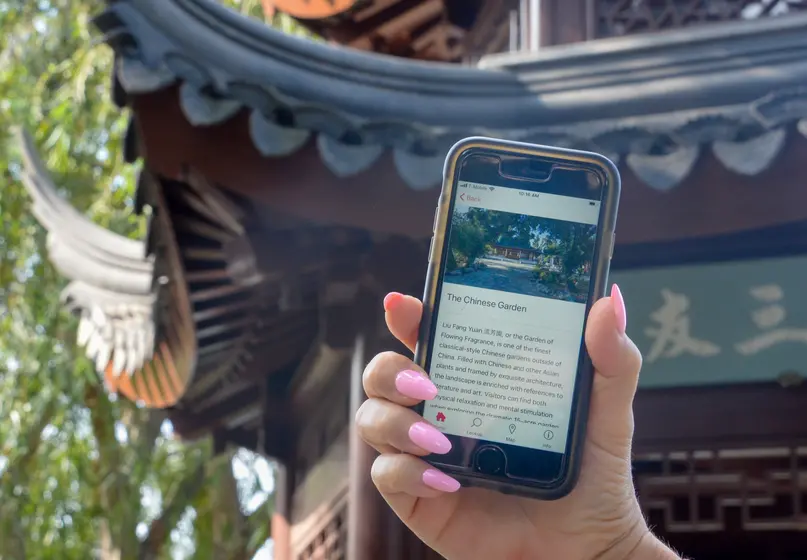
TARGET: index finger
(403,314)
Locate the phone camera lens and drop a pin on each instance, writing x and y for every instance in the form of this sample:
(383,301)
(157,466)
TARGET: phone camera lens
(491,461)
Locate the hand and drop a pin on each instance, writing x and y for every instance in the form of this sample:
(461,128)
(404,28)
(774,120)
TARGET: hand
(600,519)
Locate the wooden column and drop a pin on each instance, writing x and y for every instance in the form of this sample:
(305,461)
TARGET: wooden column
(366,508)
(281,518)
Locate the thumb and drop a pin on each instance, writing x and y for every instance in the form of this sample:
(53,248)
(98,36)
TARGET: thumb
(617,362)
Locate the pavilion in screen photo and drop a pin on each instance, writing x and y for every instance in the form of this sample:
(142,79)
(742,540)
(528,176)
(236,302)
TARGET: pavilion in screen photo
(520,254)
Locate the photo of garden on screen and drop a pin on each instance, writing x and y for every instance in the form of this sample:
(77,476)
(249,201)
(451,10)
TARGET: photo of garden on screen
(520,254)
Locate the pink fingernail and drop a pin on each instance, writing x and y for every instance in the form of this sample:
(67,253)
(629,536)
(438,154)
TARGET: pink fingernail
(440,481)
(415,385)
(391,299)
(619,309)
(429,438)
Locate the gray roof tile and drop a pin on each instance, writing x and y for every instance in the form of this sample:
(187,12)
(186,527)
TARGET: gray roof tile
(656,100)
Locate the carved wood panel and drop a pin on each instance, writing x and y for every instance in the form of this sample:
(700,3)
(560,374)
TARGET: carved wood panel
(329,540)
(627,17)
(750,490)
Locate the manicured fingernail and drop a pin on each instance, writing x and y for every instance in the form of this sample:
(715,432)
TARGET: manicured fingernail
(391,299)
(440,481)
(415,385)
(429,438)
(619,309)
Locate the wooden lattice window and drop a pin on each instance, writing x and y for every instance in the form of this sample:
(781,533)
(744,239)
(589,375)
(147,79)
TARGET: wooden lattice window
(714,491)
(331,541)
(627,17)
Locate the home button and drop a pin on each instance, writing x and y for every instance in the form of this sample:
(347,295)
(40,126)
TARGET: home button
(490,460)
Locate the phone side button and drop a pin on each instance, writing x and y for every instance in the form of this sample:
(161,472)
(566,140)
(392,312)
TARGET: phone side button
(431,246)
(613,244)
(434,223)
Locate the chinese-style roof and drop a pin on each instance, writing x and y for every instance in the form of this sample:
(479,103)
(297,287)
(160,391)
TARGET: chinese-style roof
(444,30)
(210,316)
(507,242)
(656,101)
(113,289)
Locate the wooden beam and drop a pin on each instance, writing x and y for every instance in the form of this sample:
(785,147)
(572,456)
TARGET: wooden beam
(726,202)
(281,516)
(366,21)
(401,25)
(375,8)
(291,252)
(242,263)
(290,336)
(743,415)
(365,518)
(192,424)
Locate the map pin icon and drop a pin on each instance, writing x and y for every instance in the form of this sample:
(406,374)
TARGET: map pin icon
(512,428)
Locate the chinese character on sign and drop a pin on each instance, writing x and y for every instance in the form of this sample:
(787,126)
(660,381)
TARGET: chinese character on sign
(671,336)
(770,319)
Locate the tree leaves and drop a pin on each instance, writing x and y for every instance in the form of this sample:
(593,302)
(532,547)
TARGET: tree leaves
(82,473)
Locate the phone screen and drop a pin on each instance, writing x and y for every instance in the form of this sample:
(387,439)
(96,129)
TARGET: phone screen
(511,308)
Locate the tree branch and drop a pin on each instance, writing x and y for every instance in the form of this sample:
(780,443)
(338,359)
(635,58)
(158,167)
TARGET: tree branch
(33,439)
(161,528)
(14,475)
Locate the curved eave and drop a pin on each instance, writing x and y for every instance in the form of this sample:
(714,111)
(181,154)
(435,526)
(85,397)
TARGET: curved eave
(111,292)
(210,45)
(655,100)
(80,249)
(306,185)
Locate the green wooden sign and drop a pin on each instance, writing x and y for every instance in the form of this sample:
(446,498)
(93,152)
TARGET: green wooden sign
(718,323)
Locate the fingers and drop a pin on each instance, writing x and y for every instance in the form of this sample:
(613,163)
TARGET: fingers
(613,353)
(405,474)
(397,379)
(389,427)
(617,362)
(402,314)
(393,383)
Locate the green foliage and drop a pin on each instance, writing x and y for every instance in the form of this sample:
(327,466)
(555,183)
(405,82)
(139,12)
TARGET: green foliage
(571,243)
(468,241)
(84,474)
(547,277)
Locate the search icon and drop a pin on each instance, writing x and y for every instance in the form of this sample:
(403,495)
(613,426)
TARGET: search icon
(476,423)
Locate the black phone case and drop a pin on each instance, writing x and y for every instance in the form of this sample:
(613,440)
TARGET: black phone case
(600,269)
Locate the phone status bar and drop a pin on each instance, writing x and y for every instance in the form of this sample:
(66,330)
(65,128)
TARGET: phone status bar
(517,201)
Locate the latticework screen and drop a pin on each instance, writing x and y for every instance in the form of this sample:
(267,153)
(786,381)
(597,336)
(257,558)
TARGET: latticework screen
(713,491)
(627,17)
(330,543)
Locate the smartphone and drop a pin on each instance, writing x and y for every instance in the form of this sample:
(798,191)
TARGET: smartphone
(523,238)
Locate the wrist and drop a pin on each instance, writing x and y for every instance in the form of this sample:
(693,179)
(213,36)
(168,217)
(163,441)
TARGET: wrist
(651,548)
(638,543)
